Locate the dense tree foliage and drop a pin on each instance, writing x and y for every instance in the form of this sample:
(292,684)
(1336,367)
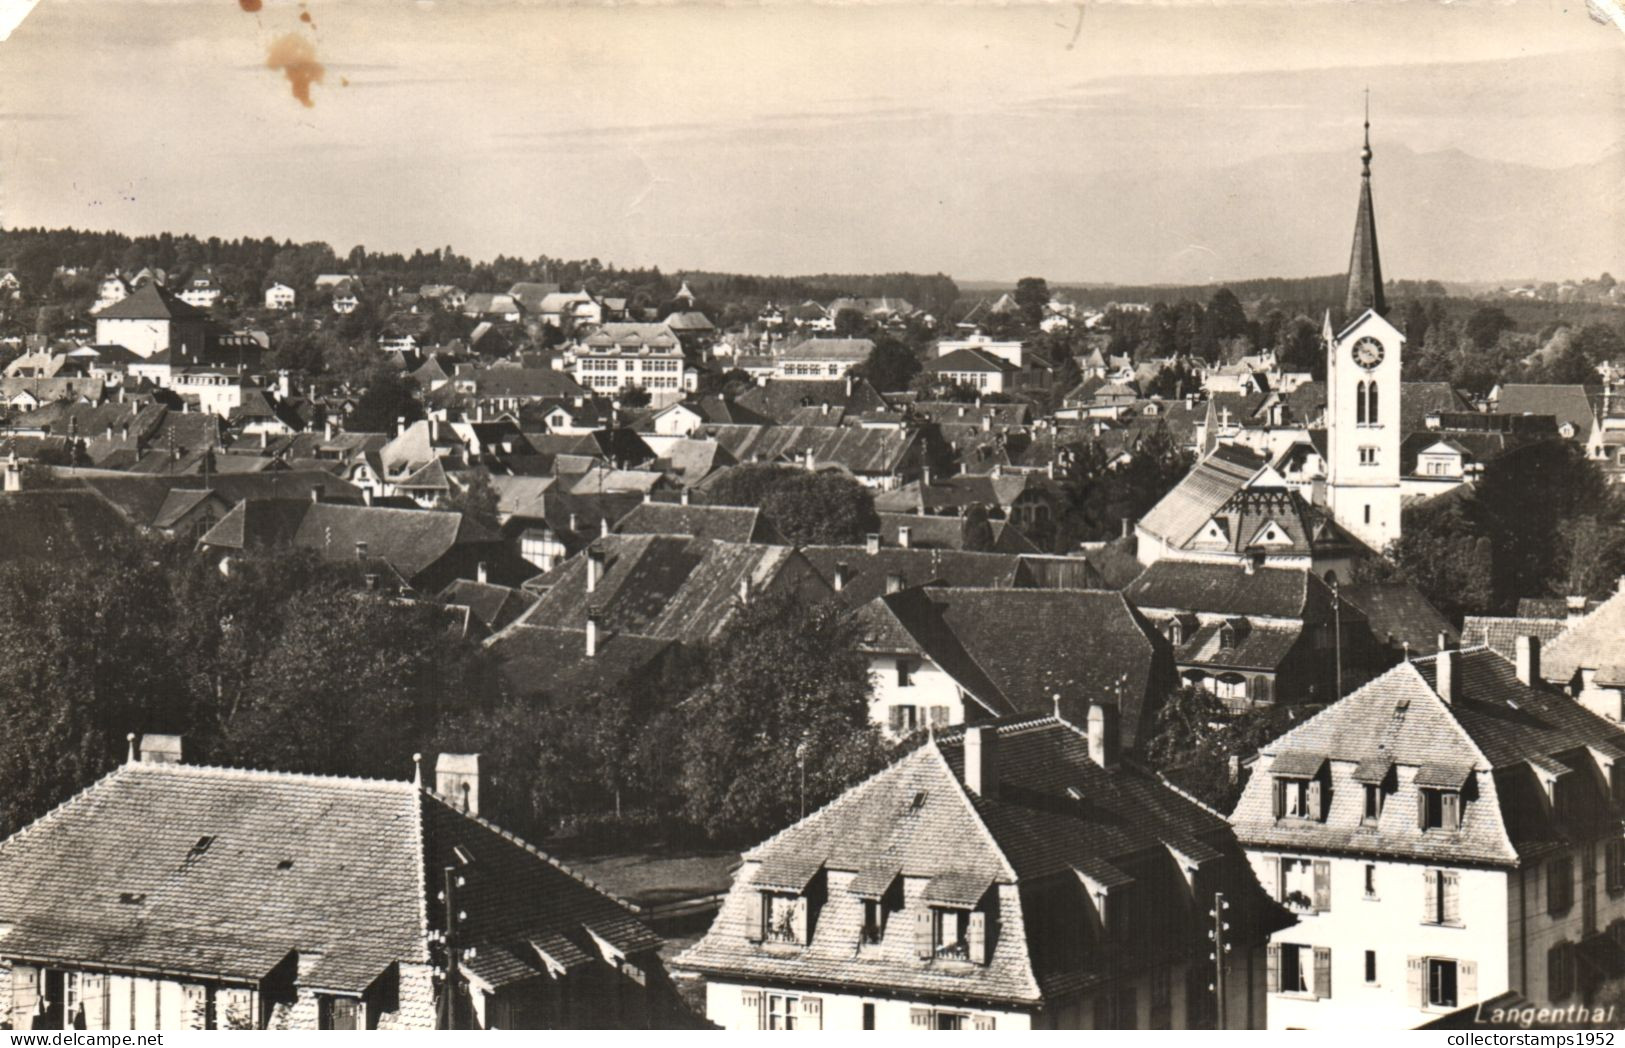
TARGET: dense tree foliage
(1194,740)
(807,508)
(1099,492)
(891,365)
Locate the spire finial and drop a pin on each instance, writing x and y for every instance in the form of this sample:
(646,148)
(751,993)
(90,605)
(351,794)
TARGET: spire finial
(130,741)
(417,769)
(1365,154)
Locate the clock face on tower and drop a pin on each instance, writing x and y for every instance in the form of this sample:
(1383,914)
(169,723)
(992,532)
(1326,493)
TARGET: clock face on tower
(1368,353)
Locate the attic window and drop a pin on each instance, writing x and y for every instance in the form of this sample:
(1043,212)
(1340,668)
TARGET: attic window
(1075,793)
(915,805)
(200,847)
(132,898)
(285,864)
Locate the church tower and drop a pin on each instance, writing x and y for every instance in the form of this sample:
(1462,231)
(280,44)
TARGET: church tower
(1362,391)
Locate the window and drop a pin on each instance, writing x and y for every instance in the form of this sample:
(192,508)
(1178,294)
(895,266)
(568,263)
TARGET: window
(781,1011)
(949,1020)
(1560,971)
(1292,798)
(1359,404)
(1441,897)
(1371,967)
(1439,810)
(905,673)
(1370,880)
(903,719)
(783,917)
(337,1013)
(1368,456)
(1560,885)
(1368,514)
(1294,972)
(868,1015)
(1614,866)
(949,930)
(1441,987)
(1373,803)
(874,918)
(1306,885)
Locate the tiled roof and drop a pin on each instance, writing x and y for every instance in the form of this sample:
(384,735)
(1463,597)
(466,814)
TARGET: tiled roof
(671,587)
(1501,634)
(143,498)
(1255,648)
(1567,403)
(1418,400)
(495,606)
(856,448)
(971,360)
(553,661)
(867,572)
(151,302)
(778,398)
(1055,813)
(1596,642)
(221,872)
(1194,500)
(1227,589)
(1399,615)
(728,523)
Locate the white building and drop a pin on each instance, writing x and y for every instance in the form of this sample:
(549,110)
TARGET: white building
(996,878)
(280,296)
(1448,833)
(1008,350)
(617,355)
(822,358)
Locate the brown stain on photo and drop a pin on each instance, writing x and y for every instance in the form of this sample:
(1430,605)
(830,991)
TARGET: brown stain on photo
(296,57)
(304,16)
(251,6)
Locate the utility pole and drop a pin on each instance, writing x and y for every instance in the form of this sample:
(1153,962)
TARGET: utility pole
(448,997)
(1220,911)
(1337,635)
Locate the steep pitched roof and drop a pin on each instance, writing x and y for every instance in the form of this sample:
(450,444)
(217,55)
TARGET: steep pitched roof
(856,448)
(1228,589)
(1596,642)
(1209,485)
(151,302)
(1568,403)
(1400,615)
(728,523)
(1501,633)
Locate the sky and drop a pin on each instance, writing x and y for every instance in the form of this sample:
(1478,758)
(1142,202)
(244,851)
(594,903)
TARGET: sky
(1103,142)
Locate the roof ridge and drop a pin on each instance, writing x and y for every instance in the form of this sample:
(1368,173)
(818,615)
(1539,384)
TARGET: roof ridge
(238,771)
(963,793)
(52,813)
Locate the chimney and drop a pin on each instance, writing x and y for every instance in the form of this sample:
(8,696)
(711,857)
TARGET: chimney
(812,463)
(1620,586)
(849,387)
(982,761)
(987,423)
(592,634)
(161,749)
(457,779)
(925,476)
(903,535)
(400,424)
(595,568)
(871,542)
(1576,607)
(843,575)
(1447,671)
(603,526)
(360,549)
(14,475)
(998,469)
(1528,660)
(744,591)
(1128,526)
(894,583)
(284,388)
(366,496)
(316,492)
(648,496)
(682,497)
(265,437)
(1103,734)
(479,572)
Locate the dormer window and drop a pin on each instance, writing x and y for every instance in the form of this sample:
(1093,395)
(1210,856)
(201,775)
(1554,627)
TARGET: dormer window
(1439,810)
(952,925)
(784,918)
(1298,786)
(789,887)
(950,936)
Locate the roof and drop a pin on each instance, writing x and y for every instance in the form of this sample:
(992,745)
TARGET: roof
(1496,732)
(867,572)
(1501,633)
(1229,589)
(1400,616)
(852,350)
(1596,642)
(495,606)
(856,448)
(151,302)
(56,525)
(666,586)
(222,872)
(1056,813)
(1418,400)
(778,398)
(971,360)
(1181,513)
(1568,403)
(728,523)
(554,660)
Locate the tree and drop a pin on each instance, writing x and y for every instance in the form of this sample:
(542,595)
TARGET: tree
(1032,295)
(1485,325)
(1194,738)
(786,702)
(476,498)
(890,366)
(389,396)
(633,397)
(1443,554)
(1225,317)
(821,509)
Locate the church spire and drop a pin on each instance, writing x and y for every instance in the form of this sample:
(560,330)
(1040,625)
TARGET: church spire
(1365,267)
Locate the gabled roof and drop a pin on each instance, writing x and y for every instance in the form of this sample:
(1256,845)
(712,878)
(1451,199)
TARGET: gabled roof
(1501,633)
(1400,615)
(553,660)
(858,449)
(59,525)
(1191,504)
(1568,403)
(727,523)
(852,350)
(1229,589)
(777,399)
(971,360)
(1596,642)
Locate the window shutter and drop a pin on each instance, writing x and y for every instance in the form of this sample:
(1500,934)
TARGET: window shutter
(757,919)
(1422,809)
(922,934)
(24,996)
(751,1002)
(1430,896)
(93,991)
(1280,798)
(919,1018)
(939,716)
(1314,811)
(1273,964)
(1466,982)
(1415,987)
(1450,802)
(812,1013)
(894,716)
(1323,885)
(1323,971)
(1452,897)
(983,1022)
(803,920)
(976,935)
(1272,871)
